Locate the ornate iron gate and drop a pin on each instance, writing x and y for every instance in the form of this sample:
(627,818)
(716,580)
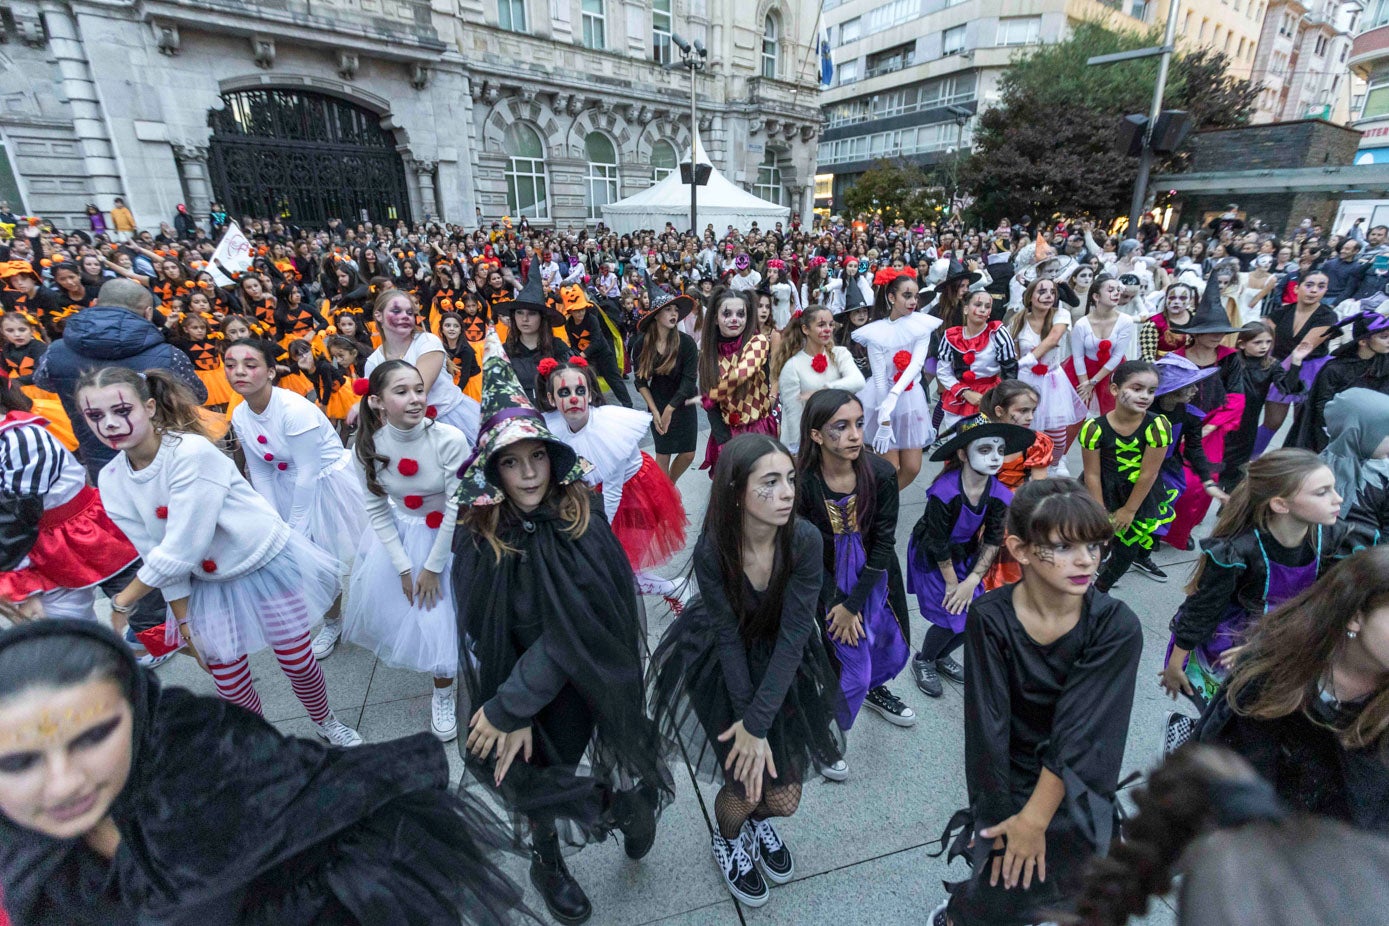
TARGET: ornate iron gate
(306,157)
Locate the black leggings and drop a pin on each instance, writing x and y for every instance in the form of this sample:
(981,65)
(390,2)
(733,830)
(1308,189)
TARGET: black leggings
(1121,557)
(604,364)
(939,642)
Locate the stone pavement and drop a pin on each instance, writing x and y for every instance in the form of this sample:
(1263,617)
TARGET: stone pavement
(861,846)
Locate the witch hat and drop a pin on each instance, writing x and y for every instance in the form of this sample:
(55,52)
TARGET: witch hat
(958,271)
(531,296)
(660,298)
(1209,316)
(853,297)
(507,418)
(968,430)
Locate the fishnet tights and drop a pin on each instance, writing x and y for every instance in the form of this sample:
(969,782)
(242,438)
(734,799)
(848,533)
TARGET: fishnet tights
(732,811)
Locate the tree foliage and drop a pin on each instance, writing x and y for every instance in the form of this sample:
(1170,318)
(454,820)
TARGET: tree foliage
(898,190)
(1048,147)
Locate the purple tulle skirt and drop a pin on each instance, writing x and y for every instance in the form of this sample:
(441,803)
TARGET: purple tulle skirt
(878,659)
(1307,373)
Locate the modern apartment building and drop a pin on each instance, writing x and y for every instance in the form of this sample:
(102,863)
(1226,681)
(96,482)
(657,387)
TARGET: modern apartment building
(1301,61)
(911,75)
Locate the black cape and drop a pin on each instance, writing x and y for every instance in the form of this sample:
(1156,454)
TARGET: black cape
(562,614)
(226,821)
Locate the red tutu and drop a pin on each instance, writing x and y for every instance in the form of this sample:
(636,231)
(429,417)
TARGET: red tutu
(650,522)
(78,546)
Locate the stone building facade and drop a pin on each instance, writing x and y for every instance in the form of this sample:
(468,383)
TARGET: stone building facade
(453,109)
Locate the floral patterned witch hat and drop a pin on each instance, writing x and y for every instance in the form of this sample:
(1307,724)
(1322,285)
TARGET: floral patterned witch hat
(507,418)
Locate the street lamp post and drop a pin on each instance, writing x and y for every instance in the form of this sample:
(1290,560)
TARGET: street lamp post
(961,120)
(693,57)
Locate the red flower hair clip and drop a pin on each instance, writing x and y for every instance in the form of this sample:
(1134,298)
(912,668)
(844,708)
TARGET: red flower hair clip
(820,363)
(547,366)
(578,362)
(361,385)
(888,274)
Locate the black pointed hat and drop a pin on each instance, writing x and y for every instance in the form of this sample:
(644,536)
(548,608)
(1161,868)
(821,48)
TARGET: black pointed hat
(959,271)
(660,298)
(531,296)
(1209,316)
(853,297)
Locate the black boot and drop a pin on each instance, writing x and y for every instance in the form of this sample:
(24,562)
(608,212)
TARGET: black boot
(564,898)
(634,812)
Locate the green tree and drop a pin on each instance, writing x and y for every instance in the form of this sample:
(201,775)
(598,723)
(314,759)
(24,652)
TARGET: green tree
(898,190)
(1048,147)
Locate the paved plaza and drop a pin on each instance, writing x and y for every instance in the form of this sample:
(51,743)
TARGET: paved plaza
(861,846)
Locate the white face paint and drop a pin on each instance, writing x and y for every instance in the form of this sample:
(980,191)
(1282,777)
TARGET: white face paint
(986,455)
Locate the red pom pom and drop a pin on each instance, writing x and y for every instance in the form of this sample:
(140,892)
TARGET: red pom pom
(735,419)
(1040,369)
(269,457)
(820,363)
(547,366)
(209,565)
(407,466)
(434,519)
(260,439)
(967,376)
(968,357)
(431,412)
(162,513)
(901,359)
(1106,345)
(578,362)
(282,466)
(413,501)
(361,385)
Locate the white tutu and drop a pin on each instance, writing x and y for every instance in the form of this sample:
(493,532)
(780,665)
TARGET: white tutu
(337,518)
(276,604)
(1058,405)
(911,418)
(466,416)
(377,616)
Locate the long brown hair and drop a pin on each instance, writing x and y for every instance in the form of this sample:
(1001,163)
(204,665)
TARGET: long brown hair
(655,358)
(488,521)
(371,421)
(709,338)
(1020,318)
(794,337)
(1290,649)
(1277,474)
(175,408)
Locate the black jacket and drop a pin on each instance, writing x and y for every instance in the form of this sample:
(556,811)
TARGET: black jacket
(107,336)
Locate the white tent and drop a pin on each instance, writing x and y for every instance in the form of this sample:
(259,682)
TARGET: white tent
(720,204)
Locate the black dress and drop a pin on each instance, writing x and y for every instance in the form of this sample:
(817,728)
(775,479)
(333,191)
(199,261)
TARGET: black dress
(1063,706)
(554,640)
(1345,370)
(526,362)
(674,388)
(224,820)
(706,676)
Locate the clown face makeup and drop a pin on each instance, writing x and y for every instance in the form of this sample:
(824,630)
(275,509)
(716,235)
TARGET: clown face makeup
(985,455)
(66,757)
(247,371)
(569,393)
(733,317)
(397,317)
(117,417)
(820,329)
(979,308)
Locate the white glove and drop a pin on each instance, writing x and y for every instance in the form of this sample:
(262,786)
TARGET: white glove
(882,439)
(884,435)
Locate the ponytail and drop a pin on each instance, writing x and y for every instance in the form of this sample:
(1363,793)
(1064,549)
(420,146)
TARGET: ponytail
(13,399)
(369,422)
(793,337)
(175,408)
(1003,395)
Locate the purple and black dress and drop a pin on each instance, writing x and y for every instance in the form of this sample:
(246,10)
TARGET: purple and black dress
(861,573)
(1244,577)
(951,528)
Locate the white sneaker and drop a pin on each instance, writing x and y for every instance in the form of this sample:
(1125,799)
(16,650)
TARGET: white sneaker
(444,713)
(337,732)
(1060,469)
(327,639)
(839,771)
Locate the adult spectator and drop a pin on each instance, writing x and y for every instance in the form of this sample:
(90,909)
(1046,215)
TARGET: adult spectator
(117,331)
(1376,242)
(184,226)
(122,220)
(1343,273)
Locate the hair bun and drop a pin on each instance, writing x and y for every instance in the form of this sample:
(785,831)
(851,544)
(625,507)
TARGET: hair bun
(361,385)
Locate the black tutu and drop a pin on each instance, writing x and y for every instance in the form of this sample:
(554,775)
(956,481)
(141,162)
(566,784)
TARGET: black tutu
(692,704)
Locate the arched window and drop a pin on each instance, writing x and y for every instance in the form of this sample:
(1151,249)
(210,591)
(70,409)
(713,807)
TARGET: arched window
(771,29)
(602,173)
(768,184)
(663,160)
(526,186)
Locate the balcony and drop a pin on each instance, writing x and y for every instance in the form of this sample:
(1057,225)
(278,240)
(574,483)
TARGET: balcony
(890,64)
(1368,49)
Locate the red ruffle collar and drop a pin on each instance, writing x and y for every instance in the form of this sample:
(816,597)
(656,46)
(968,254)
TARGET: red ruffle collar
(955,337)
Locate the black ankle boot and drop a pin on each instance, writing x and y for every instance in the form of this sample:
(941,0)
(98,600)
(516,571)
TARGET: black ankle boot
(634,812)
(564,898)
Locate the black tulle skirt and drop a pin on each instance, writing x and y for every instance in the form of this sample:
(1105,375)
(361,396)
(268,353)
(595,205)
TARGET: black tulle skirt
(693,707)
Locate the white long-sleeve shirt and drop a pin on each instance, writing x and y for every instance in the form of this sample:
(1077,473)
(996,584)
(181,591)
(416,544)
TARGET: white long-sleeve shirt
(190,514)
(798,378)
(1123,340)
(288,446)
(439,451)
